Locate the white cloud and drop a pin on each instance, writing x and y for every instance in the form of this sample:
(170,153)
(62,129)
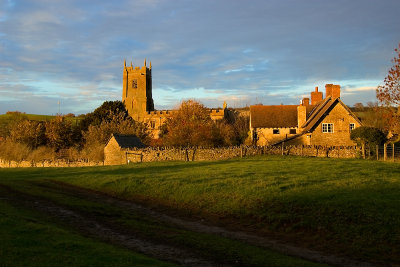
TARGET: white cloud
(360,89)
(75,49)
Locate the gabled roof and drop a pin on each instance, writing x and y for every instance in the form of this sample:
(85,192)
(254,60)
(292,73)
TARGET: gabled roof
(127,140)
(323,109)
(279,116)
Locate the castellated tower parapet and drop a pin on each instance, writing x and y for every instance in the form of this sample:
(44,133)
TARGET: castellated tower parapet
(137,90)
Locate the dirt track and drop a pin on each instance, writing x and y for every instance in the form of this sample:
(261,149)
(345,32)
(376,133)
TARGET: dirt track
(109,230)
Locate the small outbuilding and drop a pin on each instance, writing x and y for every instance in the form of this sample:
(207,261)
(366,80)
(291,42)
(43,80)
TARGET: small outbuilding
(122,149)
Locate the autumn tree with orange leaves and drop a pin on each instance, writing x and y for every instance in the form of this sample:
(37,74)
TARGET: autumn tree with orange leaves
(190,126)
(388,94)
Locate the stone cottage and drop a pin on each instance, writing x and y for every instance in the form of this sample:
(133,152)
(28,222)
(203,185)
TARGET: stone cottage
(325,122)
(121,149)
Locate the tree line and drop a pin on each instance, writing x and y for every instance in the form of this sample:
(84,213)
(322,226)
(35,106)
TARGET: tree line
(36,140)
(191,125)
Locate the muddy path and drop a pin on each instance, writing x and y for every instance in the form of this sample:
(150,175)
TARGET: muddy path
(93,227)
(108,228)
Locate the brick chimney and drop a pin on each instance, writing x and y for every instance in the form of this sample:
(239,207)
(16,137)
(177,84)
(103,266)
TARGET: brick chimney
(305,101)
(316,97)
(332,90)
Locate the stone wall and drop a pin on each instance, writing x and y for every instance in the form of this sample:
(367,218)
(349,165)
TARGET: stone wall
(200,154)
(54,163)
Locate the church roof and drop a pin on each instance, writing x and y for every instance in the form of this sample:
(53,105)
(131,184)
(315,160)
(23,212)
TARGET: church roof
(127,140)
(276,116)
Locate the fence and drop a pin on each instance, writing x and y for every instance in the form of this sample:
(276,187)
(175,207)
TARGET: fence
(387,152)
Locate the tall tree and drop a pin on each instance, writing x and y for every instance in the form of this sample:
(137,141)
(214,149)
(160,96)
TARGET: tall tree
(8,122)
(105,112)
(388,94)
(13,151)
(30,133)
(190,125)
(59,133)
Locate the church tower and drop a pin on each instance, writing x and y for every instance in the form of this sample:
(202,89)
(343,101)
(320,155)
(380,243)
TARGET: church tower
(137,91)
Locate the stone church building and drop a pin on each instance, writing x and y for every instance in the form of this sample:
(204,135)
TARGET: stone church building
(138,99)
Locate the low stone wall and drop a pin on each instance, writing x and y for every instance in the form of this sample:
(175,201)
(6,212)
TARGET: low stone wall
(199,154)
(55,163)
(320,151)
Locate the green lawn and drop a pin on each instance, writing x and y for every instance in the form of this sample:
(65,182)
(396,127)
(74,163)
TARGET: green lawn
(344,206)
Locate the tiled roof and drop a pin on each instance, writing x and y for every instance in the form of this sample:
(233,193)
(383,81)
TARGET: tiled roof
(279,116)
(128,141)
(318,112)
(322,109)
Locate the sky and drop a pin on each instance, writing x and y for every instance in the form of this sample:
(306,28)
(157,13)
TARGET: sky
(67,56)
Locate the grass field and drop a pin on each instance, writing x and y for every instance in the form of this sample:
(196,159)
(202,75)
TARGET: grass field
(344,207)
(6,119)
(29,239)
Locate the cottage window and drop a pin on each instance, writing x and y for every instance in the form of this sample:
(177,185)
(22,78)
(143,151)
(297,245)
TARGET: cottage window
(134,83)
(352,126)
(292,131)
(275,131)
(327,127)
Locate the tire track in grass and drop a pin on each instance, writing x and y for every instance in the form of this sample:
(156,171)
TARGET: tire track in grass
(196,226)
(94,228)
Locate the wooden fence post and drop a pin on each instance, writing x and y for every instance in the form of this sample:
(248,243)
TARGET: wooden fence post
(393,152)
(384,151)
(377,152)
(363,150)
(282,147)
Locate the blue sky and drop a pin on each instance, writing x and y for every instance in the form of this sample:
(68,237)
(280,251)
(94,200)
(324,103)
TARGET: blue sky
(241,52)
